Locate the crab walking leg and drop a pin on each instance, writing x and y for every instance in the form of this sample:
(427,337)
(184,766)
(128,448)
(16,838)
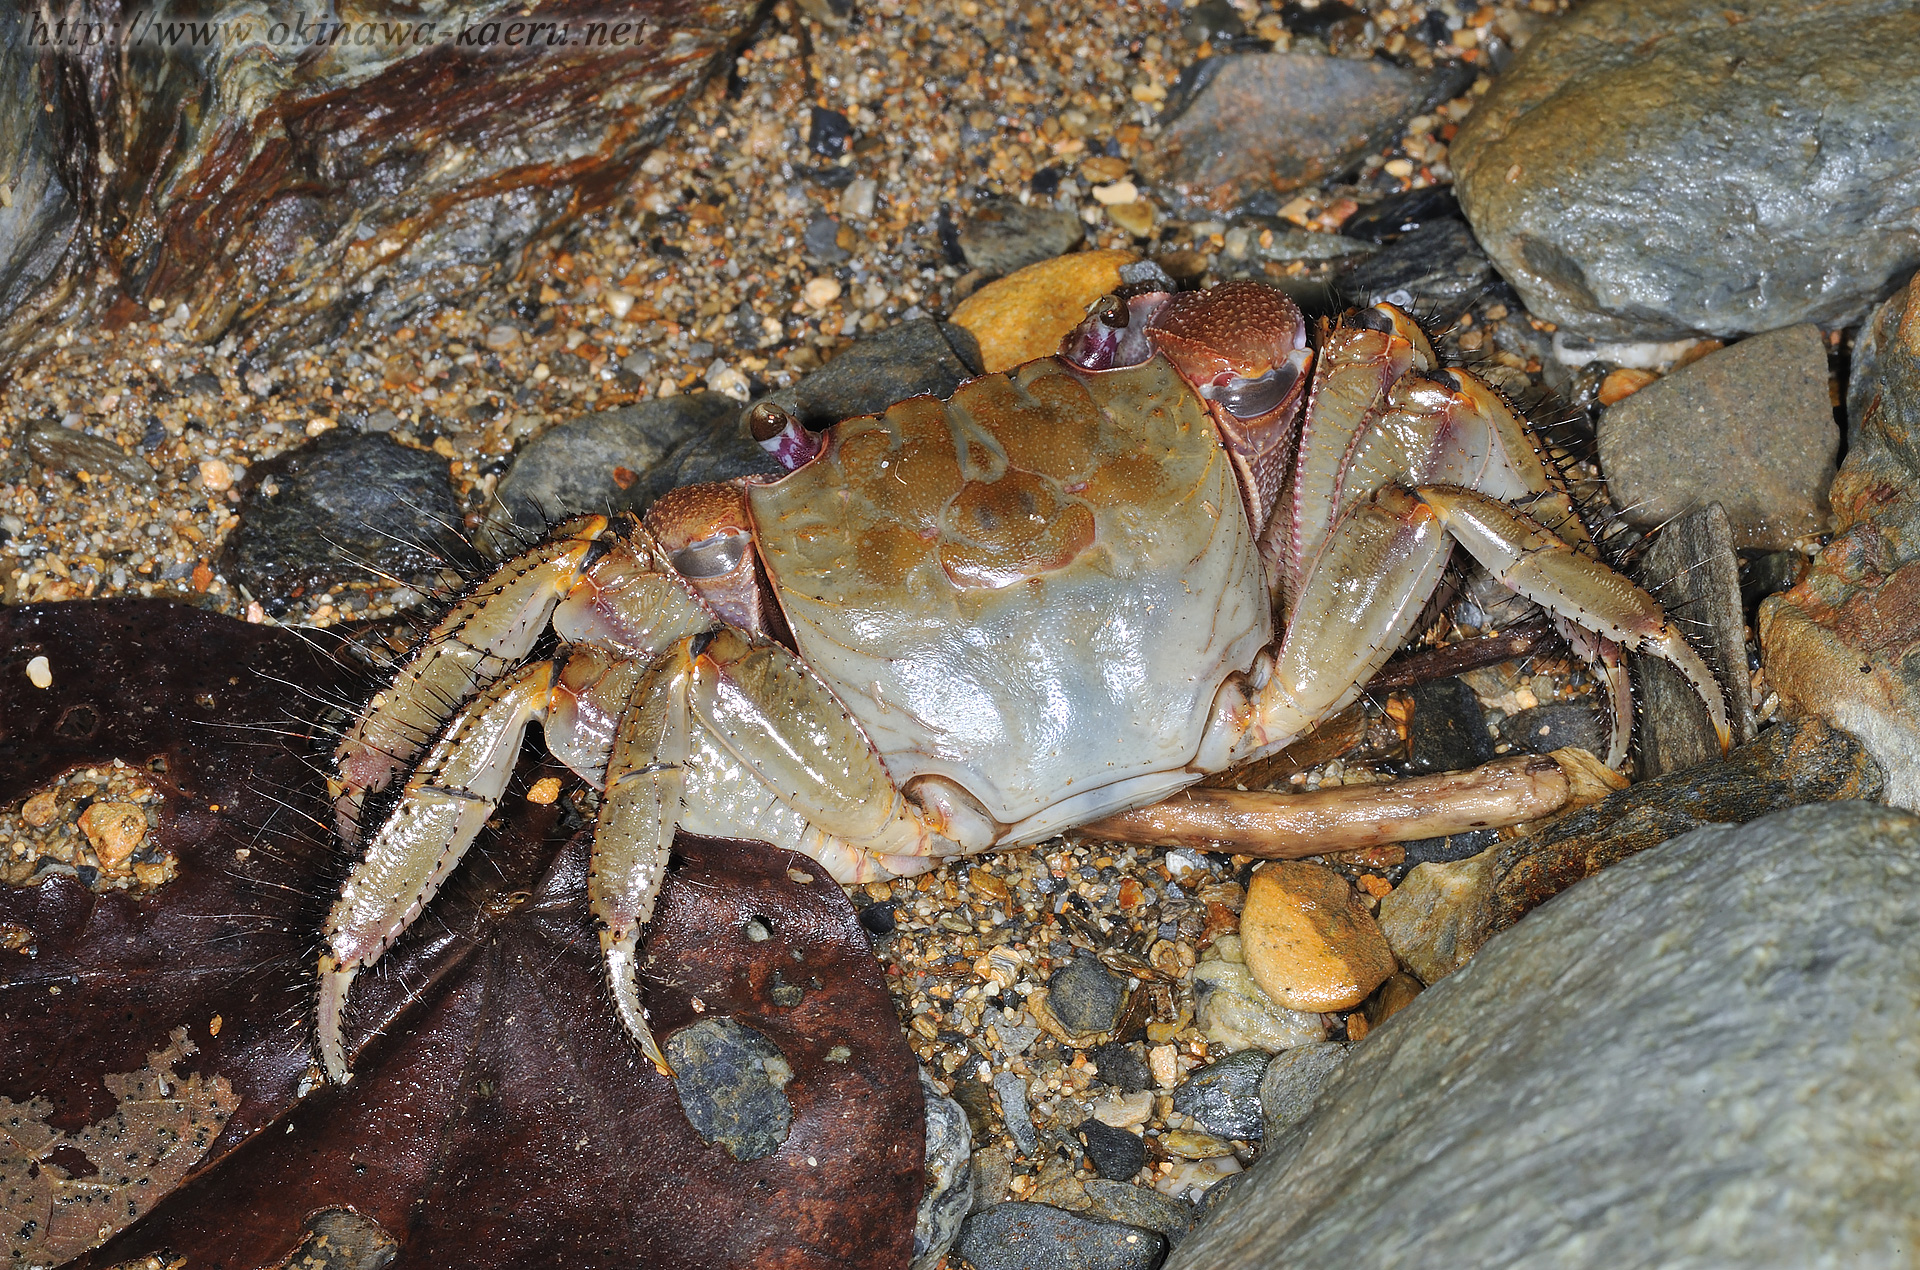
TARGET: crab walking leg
(1534,563)
(442,809)
(1360,603)
(478,639)
(634,834)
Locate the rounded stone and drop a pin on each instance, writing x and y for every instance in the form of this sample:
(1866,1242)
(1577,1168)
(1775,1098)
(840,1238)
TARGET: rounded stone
(1309,940)
(1225,1096)
(1026,314)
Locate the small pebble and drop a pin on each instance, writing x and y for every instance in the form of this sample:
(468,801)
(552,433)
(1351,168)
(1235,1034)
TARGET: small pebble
(1018,1236)
(1012,1092)
(115,830)
(732,1085)
(1116,1154)
(1224,1097)
(40,672)
(1085,996)
(1310,942)
(820,292)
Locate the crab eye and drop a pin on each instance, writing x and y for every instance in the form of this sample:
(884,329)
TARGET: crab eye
(1251,398)
(1374,320)
(1113,312)
(713,557)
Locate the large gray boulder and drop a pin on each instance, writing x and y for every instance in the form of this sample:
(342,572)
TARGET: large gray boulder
(1650,168)
(1705,1056)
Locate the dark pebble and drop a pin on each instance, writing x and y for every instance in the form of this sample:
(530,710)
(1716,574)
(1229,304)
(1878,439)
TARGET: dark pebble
(828,133)
(1438,265)
(1211,20)
(600,463)
(1018,1236)
(1553,727)
(976,1099)
(878,919)
(1448,731)
(1002,235)
(1454,846)
(1143,1207)
(1117,1155)
(1317,20)
(1225,1096)
(344,508)
(732,1086)
(1085,996)
(1121,1066)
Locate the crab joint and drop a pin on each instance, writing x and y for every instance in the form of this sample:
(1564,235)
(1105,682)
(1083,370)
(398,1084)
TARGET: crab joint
(1285,826)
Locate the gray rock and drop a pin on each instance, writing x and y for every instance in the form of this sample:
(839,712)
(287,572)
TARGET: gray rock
(1750,168)
(1002,234)
(343,508)
(1750,427)
(1085,996)
(949,1178)
(1251,124)
(1292,1081)
(1225,1096)
(1117,1154)
(64,450)
(599,463)
(908,360)
(1437,266)
(1014,1037)
(1691,569)
(1141,1206)
(1701,1057)
(992,1172)
(1448,730)
(822,237)
(1038,1237)
(1012,1092)
(732,1083)
(1558,725)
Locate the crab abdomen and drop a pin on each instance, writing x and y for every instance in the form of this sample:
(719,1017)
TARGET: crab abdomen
(1034,590)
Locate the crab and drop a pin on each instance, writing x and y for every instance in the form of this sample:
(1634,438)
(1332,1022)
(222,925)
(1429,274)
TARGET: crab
(1069,590)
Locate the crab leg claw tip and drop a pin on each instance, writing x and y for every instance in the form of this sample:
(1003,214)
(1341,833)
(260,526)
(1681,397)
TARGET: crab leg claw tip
(620,950)
(334,983)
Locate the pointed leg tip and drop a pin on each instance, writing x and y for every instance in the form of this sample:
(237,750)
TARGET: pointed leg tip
(334,984)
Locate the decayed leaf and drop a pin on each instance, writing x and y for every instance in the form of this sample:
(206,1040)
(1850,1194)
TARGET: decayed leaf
(498,1113)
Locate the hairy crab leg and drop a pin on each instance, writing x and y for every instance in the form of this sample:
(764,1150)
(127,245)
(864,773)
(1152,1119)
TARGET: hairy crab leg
(1534,563)
(442,809)
(478,639)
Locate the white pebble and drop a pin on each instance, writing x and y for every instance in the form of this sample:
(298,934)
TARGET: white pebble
(1116,193)
(856,201)
(617,302)
(215,475)
(820,292)
(40,673)
(727,381)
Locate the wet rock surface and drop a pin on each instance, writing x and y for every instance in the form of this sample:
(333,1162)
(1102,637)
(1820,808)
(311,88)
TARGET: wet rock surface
(345,505)
(1840,643)
(1603,200)
(1018,1236)
(1225,1096)
(1265,123)
(1448,730)
(1002,235)
(595,464)
(1774,964)
(1292,1081)
(283,194)
(1544,729)
(1437,268)
(912,359)
(1749,427)
(949,1178)
(1140,1206)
